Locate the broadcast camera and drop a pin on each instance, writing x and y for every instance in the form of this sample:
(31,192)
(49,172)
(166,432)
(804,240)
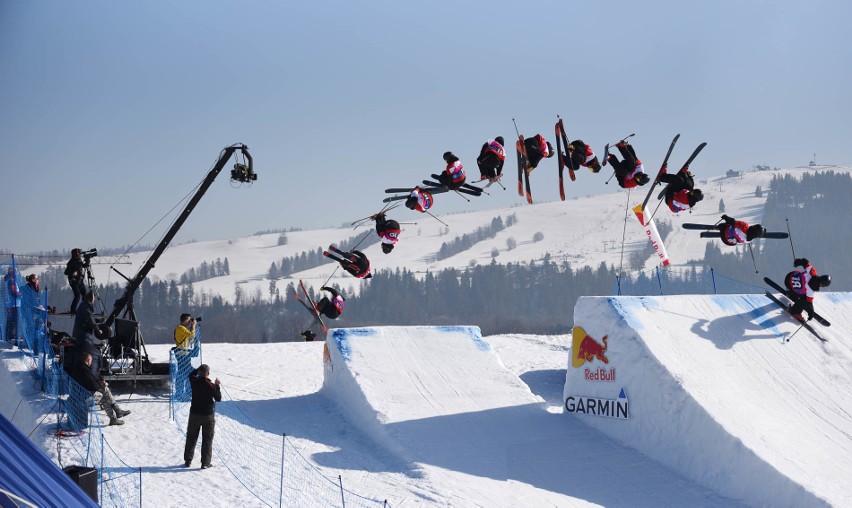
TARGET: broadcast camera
(244,173)
(89,254)
(198,319)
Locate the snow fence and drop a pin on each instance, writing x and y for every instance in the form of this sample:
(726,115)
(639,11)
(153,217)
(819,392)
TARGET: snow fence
(707,386)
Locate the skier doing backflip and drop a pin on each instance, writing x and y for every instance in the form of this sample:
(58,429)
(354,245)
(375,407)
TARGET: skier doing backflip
(491,158)
(453,175)
(629,172)
(388,231)
(537,148)
(802,285)
(420,200)
(737,231)
(681,193)
(582,154)
(355,262)
(332,307)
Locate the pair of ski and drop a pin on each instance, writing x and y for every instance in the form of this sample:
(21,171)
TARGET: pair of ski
(786,306)
(407,191)
(718,232)
(523,170)
(664,167)
(312,308)
(465,188)
(563,156)
(491,181)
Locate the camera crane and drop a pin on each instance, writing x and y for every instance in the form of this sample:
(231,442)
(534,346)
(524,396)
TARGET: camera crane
(127,329)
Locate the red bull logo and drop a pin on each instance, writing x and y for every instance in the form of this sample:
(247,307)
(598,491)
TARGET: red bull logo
(586,349)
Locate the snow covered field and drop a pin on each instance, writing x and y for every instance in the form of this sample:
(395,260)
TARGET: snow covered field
(721,412)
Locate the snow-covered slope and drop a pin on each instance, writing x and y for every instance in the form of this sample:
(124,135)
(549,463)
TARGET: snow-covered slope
(715,394)
(721,412)
(584,231)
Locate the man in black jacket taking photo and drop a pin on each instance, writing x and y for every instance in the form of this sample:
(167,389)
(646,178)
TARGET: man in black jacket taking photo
(202,415)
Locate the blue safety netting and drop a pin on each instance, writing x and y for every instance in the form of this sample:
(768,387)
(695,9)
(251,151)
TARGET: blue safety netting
(78,417)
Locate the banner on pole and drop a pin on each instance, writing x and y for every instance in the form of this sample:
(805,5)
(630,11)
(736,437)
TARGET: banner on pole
(652,234)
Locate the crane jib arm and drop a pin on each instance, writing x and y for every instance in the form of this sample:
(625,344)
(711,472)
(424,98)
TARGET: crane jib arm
(241,173)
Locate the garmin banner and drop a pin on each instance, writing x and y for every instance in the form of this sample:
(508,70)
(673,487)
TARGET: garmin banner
(652,234)
(610,408)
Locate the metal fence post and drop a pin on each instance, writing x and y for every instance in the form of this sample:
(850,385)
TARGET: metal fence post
(342,498)
(713,277)
(283,451)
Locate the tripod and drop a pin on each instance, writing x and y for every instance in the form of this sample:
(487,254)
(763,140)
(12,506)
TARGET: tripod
(93,286)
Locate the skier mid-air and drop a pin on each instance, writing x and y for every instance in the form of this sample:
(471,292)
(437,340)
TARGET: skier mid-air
(629,172)
(355,262)
(491,158)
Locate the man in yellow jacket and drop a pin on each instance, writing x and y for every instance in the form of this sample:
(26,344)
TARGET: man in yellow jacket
(184,338)
(185,332)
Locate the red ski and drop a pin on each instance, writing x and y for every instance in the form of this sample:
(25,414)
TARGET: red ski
(312,308)
(564,157)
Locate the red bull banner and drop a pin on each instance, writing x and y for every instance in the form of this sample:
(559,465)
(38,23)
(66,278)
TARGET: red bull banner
(652,234)
(584,349)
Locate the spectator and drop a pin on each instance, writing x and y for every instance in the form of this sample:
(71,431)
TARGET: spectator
(309,336)
(99,389)
(202,416)
(85,333)
(13,301)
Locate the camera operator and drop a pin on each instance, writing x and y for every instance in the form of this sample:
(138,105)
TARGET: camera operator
(184,337)
(74,272)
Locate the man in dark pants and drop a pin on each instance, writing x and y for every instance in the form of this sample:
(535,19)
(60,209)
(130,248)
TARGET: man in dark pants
(74,272)
(202,415)
(85,333)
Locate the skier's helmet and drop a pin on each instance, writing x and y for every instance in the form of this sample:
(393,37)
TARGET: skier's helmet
(500,140)
(595,165)
(755,231)
(387,247)
(411,202)
(449,157)
(695,196)
(824,281)
(549,149)
(641,178)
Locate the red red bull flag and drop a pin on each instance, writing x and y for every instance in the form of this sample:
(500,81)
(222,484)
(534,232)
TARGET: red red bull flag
(652,234)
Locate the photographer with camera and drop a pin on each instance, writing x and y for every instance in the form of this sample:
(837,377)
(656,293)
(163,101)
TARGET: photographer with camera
(184,342)
(74,272)
(185,331)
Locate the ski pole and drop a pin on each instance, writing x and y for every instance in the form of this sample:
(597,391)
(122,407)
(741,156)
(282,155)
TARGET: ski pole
(794,333)
(610,178)
(790,235)
(623,139)
(500,184)
(752,258)
(360,241)
(437,219)
(516,127)
(461,196)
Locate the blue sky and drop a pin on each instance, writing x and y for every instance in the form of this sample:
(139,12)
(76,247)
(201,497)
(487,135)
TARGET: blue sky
(113,111)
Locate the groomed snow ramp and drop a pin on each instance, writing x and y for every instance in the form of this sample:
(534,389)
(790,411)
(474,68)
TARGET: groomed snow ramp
(431,395)
(707,385)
